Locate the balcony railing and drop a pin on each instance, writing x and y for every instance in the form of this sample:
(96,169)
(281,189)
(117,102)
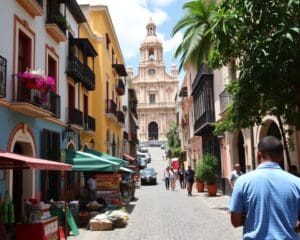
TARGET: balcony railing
(55,16)
(81,73)
(89,78)
(75,116)
(56,24)
(49,101)
(121,117)
(204,71)
(3,69)
(90,123)
(53,104)
(206,118)
(120,88)
(225,100)
(110,107)
(75,69)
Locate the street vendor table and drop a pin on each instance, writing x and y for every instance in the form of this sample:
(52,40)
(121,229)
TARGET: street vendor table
(44,230)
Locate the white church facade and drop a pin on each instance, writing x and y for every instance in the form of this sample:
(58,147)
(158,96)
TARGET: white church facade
(156,90)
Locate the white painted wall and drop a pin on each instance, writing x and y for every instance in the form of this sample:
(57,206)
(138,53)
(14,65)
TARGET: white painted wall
(8,9)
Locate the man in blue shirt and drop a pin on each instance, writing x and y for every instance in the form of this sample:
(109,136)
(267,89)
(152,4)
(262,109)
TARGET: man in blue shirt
(267,201)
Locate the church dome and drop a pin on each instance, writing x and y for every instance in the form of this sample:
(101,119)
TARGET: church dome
(151,37)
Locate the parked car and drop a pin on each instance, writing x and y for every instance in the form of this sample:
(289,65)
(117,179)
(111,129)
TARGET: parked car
(155,143)
(148,175)
(146,155)
(142,162)
(143,148)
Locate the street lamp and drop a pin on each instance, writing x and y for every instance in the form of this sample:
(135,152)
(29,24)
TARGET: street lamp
(68,133)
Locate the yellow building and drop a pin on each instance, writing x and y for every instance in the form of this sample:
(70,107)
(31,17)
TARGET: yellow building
(105,102)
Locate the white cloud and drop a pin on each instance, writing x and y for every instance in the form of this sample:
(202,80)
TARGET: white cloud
(172,43)
(130,19)
(161,3)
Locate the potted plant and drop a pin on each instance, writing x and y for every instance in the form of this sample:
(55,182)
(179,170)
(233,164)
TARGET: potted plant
(209,165)
(199,176)
(36,79)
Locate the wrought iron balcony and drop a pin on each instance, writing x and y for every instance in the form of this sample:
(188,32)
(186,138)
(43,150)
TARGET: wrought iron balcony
(75,69)
(3,69)
(56,24)
(121,117)
(75,116)
(225,100)
(81,73)
(53,104)
(204,73)
(204,122)
(120,88)
(34,102)
(33,7)
(110,107)
(90,123)
(89,78)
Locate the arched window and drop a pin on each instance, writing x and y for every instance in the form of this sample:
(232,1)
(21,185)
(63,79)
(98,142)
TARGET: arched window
(151,54)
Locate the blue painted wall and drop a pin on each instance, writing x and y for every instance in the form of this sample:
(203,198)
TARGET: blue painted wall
(9,120)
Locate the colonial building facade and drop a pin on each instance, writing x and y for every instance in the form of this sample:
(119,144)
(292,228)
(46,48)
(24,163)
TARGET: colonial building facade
(155,89)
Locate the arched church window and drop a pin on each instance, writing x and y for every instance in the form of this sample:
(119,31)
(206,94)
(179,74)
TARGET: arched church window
(151,54)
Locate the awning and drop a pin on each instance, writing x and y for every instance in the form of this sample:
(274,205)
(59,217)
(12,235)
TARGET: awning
(120,161)
(128,157)
(124,169)
(16,161)
(83,161)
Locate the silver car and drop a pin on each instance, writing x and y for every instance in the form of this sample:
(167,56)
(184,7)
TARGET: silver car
(145,155)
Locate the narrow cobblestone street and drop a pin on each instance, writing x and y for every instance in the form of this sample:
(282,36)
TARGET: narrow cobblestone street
(171,215)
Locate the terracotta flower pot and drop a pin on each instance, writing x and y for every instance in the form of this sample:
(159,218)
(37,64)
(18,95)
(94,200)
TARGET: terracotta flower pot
(212,189)
(200,186)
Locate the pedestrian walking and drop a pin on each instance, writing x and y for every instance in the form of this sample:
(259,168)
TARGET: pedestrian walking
(173,178)
(235,174)
(181,178)
(266,201)
(190,179)
(167,178)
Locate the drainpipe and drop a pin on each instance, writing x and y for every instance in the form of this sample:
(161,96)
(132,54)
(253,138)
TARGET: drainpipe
(252,148)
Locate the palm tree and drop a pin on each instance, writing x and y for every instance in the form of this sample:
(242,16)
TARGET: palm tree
(174,140)
(197,37)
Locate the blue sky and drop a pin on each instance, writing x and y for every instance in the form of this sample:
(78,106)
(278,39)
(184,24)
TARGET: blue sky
(130,18)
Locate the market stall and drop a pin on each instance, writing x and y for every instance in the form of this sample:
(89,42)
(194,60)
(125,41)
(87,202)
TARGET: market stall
(37,219)
(107,171)
(125,187)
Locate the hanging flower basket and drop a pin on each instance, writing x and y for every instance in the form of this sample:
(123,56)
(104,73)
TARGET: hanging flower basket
(36,79)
